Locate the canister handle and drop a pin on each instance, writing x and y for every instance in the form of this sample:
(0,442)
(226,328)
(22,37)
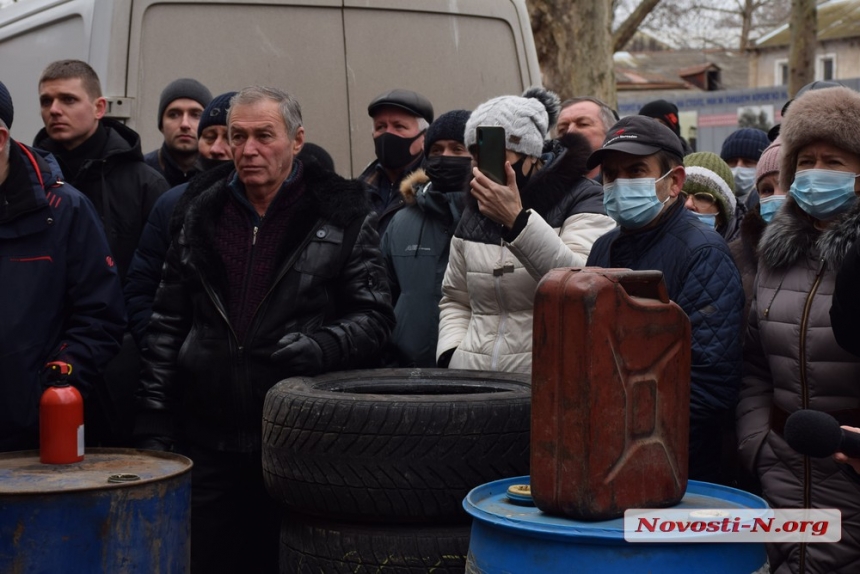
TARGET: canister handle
(647,284)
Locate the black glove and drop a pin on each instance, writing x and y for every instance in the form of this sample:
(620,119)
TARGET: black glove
(299,354)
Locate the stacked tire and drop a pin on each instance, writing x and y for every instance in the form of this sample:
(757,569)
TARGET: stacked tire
(373,466)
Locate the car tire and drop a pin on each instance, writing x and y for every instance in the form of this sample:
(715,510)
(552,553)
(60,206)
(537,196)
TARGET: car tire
(311,547)
(393,445)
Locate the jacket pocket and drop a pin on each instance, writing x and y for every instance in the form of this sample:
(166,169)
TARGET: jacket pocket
(322,255)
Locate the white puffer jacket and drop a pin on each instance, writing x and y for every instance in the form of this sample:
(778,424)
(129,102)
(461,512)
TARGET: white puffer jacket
(488,291)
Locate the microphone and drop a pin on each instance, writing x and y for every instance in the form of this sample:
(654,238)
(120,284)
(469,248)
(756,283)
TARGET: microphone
(818,435)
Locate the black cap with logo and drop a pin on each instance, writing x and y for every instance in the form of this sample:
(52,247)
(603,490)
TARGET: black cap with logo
(637,135)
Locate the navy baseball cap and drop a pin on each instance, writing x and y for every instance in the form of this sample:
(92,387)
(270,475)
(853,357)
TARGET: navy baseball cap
(637,135)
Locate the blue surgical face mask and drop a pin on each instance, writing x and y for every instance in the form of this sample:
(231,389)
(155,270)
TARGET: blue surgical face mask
(709,219)
(823,193)
(744,180)
(633,203)
(770,205)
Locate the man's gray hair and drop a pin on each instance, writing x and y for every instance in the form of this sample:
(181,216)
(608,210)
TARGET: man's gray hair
(289,106)
(423,124)
(607,115)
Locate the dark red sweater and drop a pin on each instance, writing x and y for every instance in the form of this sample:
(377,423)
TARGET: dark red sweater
(251,263)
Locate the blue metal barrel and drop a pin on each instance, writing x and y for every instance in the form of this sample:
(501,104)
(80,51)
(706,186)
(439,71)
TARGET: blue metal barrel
(118,511)
(512,536)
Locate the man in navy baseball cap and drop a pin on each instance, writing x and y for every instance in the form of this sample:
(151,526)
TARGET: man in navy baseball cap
(643,179)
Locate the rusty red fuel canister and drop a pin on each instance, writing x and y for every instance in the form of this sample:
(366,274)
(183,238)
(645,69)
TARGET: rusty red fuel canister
(610,393)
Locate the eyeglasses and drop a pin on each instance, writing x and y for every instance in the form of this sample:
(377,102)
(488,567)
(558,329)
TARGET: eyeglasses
(703,199)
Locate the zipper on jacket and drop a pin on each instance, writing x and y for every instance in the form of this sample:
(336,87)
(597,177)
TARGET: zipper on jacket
(804,319)
(807,465)
(239,356)
(220,308)
(249,266)
(283,271)
(242,366)
(503,314)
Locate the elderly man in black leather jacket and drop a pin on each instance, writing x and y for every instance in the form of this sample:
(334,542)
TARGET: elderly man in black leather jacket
(276,274)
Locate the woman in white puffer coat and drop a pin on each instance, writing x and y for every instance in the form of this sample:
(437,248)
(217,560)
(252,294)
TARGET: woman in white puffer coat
(547,216)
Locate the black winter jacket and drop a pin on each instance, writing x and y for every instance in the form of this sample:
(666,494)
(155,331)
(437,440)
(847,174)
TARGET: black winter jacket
(374,178)
(122,188)
(200,383)
(161,161)
(845,312)
(162,227)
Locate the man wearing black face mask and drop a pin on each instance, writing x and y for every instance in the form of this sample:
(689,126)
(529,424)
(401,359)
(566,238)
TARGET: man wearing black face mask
(400,119)
(415,245)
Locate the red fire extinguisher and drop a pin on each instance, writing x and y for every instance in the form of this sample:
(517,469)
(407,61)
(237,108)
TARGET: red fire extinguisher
(61,418)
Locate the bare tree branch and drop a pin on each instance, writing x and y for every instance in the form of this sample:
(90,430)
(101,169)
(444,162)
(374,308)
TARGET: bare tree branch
(628,28)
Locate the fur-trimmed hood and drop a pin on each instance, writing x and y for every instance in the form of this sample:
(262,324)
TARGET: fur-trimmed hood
(792,236)
(411,183)
(327,197)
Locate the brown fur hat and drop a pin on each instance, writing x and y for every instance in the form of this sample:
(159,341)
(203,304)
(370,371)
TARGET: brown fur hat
(830,115)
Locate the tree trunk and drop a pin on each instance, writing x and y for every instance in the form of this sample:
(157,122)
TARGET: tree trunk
(574,47)
(747,11)
(803,38)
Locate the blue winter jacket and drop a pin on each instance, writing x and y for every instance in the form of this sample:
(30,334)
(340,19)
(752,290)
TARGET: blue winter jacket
(144,273)
(702,279)
(60,295)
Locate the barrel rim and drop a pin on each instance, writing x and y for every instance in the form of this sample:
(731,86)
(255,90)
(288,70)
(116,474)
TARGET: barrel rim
(186,463)
(607,532)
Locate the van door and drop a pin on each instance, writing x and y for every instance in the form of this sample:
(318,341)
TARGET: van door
(457,54)
(293,45)
(31,37)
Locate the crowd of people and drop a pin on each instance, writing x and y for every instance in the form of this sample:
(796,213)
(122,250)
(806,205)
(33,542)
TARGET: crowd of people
(181,285)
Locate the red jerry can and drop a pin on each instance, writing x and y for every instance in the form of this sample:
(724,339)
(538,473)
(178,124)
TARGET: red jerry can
(610,393)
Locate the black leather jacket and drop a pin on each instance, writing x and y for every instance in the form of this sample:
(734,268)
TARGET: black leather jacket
(202,384)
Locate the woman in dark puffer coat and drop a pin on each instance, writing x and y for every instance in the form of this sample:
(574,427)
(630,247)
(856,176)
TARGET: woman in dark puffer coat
(791,359)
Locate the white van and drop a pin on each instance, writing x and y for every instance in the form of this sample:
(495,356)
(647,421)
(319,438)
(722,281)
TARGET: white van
(333,55)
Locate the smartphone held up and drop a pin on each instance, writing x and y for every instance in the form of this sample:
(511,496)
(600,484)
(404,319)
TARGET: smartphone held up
(491,152)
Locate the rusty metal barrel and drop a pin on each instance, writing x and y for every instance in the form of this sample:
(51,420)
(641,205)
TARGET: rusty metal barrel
(121,511)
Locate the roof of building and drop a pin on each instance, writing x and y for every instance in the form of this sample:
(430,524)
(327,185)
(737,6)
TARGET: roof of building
(837,19)
(666,70)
